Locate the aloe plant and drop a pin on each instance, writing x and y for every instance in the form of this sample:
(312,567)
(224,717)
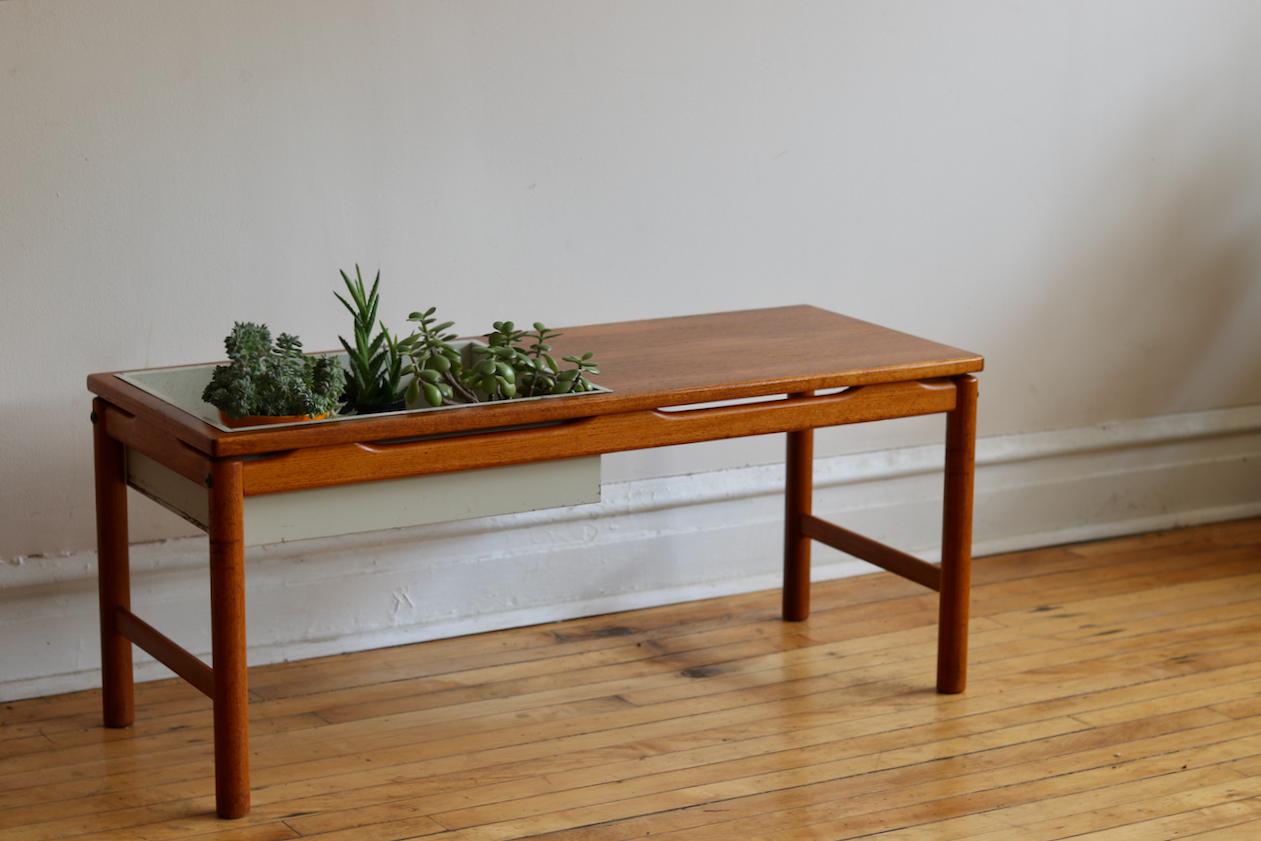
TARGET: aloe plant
(375,360)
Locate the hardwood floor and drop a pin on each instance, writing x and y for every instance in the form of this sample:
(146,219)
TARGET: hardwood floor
(1114,693)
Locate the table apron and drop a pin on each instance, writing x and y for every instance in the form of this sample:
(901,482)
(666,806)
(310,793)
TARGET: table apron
(157,444)
(343,464)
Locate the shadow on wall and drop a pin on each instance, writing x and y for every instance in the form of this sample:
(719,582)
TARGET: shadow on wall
(1152,304)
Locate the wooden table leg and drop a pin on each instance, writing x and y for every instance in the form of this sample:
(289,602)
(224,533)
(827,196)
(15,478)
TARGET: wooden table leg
(113,573)
(227,631)
(956,540)
(798,493)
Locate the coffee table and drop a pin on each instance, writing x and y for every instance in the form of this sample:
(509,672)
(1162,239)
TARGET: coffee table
(753,372)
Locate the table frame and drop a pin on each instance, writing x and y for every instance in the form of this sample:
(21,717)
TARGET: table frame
(231,479)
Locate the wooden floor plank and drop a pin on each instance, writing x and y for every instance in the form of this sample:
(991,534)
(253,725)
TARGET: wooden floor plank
(204,734)
(1235,821)
(1115,693)
(851,806)
(971,699)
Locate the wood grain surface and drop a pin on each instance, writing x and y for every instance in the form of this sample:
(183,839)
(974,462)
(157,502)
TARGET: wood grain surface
(341,464)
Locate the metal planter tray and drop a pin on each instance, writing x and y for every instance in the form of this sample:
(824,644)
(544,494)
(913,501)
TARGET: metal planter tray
(182,385)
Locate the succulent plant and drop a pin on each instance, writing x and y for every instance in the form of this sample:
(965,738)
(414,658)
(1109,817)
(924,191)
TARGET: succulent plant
(375,360)
(544,374)
(436,366)
(513,363)
(279,379)
(272,379)
(524,365)
(496,363)
(575,379)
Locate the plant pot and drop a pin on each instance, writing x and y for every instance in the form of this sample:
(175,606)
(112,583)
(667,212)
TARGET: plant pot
(265,420)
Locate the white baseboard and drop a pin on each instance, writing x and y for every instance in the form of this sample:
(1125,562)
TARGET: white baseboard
(649,542)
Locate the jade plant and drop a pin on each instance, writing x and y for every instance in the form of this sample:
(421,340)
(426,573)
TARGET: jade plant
(375,360)
(512,363)
(435,364)
(525,366)
(269,379)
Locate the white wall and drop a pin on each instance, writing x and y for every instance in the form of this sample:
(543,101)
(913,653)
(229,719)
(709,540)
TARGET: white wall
(1071,188)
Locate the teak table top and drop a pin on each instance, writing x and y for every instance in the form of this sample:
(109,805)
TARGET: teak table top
(648,364)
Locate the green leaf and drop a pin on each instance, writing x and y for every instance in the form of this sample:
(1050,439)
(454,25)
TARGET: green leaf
(356,289)
(361,372)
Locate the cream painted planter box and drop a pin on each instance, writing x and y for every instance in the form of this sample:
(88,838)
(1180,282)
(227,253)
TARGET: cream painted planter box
(368,506)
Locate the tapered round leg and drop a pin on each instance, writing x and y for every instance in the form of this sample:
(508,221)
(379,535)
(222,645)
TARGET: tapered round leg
(113,574)
(798,491)
(227,630)
(956,539)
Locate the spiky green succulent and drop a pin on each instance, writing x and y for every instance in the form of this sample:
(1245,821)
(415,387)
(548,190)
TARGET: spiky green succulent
(375,359)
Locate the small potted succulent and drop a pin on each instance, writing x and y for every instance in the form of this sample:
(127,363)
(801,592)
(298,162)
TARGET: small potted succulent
(266,383)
